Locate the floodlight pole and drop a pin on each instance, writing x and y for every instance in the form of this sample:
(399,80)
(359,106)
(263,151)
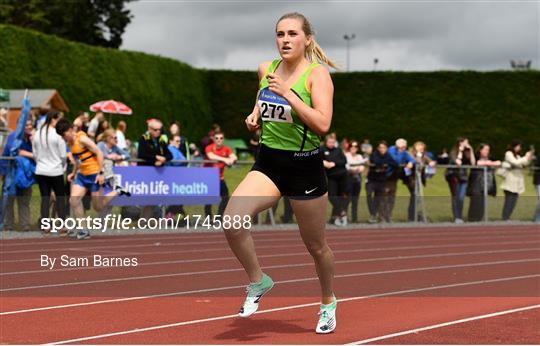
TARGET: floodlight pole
(348,39)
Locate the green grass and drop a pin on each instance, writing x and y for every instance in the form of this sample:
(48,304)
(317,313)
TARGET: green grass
(437,200)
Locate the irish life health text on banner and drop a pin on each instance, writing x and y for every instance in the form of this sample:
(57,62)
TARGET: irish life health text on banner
(167,185)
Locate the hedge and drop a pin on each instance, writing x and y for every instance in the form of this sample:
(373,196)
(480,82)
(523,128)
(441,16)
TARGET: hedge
(152,86)
(435,107)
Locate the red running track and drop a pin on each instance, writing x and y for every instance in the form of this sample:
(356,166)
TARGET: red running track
(398,286)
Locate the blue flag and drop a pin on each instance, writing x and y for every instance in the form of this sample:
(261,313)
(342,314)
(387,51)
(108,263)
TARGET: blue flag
(21,124)
(9,188)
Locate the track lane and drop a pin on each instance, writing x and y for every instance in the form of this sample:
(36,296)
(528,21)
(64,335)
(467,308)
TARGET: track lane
(140,310)
(517,326)
(105,317)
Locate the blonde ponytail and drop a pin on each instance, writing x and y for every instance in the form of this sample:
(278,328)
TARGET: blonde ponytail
(314,52)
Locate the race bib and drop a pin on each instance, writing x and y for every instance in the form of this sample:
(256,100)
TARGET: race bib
(274,107)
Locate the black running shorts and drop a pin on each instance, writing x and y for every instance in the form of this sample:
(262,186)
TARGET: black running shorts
(297,174)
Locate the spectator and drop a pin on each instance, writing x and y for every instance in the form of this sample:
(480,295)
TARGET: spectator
(80,123)
(94,124)
(424,167)
(345,145)
(3,118)
(288,212)
(335,162)
(102,127)
(443,158)
(404,171)
(86,121)
(366,148)
(177,155)
(536,182)
(108,144)
(24,179)
(70,164)
(132,149)
(195,155)
(174,143)
(514,181)
(153,146)
(50,155)
(208,138)
(460,155)
(382,166)
(42,115)
(153,150)
(112,154)
(254,142)
(120,135)
(175,130)
(219,152)
(355,167)
(475,186)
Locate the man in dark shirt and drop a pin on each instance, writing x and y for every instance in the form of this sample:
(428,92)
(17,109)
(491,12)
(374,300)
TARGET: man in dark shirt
(381,168)
(153,146)
(153,149)
(335,162)
(404,171)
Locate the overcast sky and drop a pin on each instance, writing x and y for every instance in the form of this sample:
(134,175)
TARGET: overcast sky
(403,35)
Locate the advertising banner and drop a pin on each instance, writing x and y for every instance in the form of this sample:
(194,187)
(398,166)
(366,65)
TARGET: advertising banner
(167,185)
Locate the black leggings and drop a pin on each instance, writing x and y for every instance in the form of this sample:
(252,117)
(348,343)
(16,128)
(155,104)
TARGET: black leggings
(224,192)
(46,185)
(510,201)
(353,189)
(337,194)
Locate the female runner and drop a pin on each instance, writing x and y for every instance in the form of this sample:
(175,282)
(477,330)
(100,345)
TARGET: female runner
(294,103)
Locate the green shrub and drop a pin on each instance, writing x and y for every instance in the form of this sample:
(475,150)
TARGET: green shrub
(435,107)
(152,86)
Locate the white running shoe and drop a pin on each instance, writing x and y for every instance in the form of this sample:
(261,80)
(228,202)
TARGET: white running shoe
(255,291)
(337,221)
(327,318)
(84,234)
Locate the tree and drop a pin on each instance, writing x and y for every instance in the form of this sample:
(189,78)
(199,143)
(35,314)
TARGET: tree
(95,22)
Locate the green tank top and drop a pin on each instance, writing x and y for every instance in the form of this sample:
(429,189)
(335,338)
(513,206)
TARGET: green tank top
(281,127)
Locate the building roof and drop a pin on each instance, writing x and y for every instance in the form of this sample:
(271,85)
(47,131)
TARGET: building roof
(38,98)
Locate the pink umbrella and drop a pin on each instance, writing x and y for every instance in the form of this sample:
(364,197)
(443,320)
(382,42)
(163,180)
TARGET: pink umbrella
(111,106)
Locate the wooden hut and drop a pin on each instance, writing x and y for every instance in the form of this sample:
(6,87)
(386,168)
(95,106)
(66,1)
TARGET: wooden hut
(39,98)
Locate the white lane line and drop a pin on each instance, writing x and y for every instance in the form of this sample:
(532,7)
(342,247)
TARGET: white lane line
(445,324)
(399,257)
(224,242)
(99,251)
(228,270)
(371,249)
(178,293)
(291,307)
(370,232)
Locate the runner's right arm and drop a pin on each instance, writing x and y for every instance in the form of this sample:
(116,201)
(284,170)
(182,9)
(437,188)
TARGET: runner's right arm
(252,120)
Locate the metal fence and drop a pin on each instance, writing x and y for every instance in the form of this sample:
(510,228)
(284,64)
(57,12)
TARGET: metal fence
(428,207)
